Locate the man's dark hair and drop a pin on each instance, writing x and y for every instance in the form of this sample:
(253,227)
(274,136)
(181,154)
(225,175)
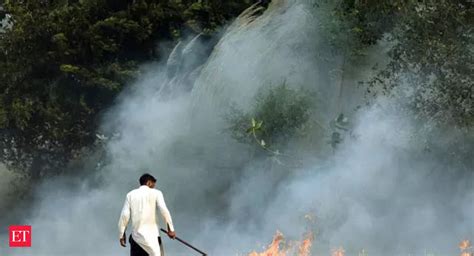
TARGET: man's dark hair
(145,178)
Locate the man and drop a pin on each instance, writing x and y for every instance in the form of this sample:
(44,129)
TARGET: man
(140,204)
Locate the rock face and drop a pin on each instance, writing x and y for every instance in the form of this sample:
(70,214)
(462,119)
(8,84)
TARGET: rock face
(268,44)
(261,48)
(184,65)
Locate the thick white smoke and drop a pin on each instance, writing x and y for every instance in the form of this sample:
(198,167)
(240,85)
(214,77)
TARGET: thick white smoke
(379,191)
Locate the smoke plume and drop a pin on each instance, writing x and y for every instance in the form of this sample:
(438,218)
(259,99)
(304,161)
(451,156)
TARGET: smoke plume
(380,190)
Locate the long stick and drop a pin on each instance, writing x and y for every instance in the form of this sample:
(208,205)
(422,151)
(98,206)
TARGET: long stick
(187,244)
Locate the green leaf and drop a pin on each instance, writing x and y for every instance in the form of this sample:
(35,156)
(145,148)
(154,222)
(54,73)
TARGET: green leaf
(67,68)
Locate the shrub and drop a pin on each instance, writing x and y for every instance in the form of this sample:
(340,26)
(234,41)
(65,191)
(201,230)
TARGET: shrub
(277,114)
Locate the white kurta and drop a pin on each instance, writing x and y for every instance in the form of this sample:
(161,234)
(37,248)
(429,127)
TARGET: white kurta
(140,205)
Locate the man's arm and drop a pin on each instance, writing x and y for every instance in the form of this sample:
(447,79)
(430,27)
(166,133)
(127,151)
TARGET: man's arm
(123,221)
(160,201)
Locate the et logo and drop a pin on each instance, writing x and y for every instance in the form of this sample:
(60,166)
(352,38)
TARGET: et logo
(20,236)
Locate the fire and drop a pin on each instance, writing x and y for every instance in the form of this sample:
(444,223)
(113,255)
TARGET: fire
(279,247)
(305,247)
(273,248)
(465,245)
(466,248)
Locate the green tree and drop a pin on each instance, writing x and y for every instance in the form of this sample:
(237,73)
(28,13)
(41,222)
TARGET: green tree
(430,67)
(432,52)
(350,26)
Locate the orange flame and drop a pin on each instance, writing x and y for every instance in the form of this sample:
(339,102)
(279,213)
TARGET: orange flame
(279,247)
(464,245)
(466,248)
(273,248)
(305,247)
(278,241)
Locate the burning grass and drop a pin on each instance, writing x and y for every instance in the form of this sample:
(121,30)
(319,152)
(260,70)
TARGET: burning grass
(466,248)
(279,247)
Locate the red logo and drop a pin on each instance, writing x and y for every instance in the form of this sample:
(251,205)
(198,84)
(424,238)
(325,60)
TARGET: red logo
(20,236)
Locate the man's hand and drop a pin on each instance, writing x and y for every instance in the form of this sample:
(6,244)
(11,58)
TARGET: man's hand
(123,242)
(172,234)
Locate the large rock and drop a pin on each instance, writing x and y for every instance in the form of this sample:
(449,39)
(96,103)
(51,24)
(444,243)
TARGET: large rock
(261,49)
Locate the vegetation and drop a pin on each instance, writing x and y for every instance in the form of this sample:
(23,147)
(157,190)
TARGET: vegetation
(63,62)
(350,26)
(430,63)
(275,117)
(432,52)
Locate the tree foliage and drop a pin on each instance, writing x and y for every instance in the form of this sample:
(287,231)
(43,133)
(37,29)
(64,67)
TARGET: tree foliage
(350,25)
(432,52)
(64,61)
